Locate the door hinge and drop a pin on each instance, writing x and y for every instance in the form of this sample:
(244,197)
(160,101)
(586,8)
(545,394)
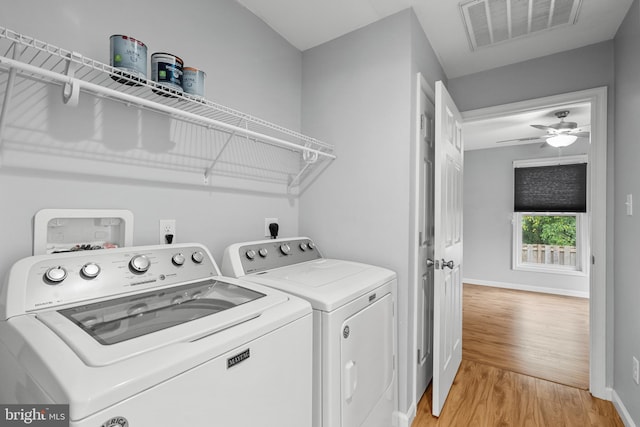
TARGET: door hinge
(419,358)
(593,259)
(422,121)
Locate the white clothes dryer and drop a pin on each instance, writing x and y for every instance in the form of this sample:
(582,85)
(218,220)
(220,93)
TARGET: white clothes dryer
(354,324)
(153,336)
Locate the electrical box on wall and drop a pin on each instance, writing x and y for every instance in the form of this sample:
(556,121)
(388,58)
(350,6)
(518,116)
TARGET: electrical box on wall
(65,230)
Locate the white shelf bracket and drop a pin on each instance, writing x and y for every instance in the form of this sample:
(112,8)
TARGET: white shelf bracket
(71,89)
(309,157)
(207,172)
(7,97)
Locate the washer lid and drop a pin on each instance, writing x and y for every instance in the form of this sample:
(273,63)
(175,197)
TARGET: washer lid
(326,283)
(109,331)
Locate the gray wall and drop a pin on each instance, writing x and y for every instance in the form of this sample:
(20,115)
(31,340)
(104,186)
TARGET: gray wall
(249,67)
(584,68)
(358,92)
(627,228)
(488,213)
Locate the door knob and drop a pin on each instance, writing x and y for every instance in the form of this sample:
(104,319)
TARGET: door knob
(447,264)
(429,263)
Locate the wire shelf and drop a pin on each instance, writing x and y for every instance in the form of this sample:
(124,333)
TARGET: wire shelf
(38,61)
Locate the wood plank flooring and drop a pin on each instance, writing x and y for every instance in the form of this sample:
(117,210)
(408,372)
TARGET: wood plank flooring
(518,350)
(541,335)
(486,396)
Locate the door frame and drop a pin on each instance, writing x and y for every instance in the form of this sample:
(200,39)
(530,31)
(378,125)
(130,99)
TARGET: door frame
(599,329)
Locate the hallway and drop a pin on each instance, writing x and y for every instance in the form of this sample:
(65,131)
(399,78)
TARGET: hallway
(525,363)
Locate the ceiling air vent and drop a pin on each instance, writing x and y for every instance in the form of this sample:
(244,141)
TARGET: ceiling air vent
(494,21)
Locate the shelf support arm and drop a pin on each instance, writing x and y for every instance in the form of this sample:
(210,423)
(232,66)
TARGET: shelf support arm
(7,97)
(208,171)
(71,89)
(309,158)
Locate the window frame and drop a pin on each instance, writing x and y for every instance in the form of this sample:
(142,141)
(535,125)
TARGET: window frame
(582,220)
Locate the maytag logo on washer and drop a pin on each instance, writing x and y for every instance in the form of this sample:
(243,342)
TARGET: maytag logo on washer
(238,358)
(116,422)
(34,415)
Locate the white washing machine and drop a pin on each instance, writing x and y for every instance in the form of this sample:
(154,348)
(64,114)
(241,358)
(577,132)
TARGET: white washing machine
(354,342)
(153,336)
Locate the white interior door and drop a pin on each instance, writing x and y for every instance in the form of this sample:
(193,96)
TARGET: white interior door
(424,294)
(447,322)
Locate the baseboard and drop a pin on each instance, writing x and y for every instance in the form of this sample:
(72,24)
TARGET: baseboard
(405,420)
(529,288)
(622,410)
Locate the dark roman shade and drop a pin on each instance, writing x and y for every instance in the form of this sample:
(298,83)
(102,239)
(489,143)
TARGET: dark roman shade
(557,188)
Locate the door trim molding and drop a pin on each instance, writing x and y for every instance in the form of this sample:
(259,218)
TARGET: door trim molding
(599,329)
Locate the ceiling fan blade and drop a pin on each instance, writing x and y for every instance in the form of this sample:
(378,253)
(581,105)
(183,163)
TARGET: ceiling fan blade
(580,134)
(542,127)
(529,138)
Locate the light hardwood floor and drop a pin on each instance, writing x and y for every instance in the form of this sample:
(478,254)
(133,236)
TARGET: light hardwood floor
(485,396)
(541,335)
(511,341)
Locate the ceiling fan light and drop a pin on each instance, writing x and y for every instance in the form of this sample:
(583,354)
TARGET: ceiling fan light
(561,140)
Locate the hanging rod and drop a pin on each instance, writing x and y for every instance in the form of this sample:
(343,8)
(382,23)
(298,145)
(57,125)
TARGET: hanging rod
(78,84)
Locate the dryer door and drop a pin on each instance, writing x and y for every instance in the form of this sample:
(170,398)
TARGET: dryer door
(367,361)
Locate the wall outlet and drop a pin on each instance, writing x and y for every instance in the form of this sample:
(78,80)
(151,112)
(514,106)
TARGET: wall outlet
(167,228)
(268,221)
(636,370)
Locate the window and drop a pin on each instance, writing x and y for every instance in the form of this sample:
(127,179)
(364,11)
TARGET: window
(549,215)
(552,242)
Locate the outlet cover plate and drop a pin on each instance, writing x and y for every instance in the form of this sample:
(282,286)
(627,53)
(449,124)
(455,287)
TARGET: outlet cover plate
(167,226)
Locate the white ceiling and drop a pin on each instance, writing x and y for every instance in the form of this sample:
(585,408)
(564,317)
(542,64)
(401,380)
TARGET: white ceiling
(506,130)
(308,23)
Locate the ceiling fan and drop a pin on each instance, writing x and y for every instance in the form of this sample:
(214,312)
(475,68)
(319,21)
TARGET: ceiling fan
(561,134)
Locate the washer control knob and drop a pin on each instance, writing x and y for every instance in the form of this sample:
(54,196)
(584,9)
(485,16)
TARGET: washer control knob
(263,252)
(139,263)
(303,247)
(90,270)
(197,257)
(251,254)
(285,249)
(56,274)
(311,245)
(178,259)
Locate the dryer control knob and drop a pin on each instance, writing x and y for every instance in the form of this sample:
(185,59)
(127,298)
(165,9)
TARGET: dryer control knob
(251,254)
(197,257)
(303,247)
(139,263)
(178,259)
(263,252)
(311,245)
(90,270)
(56,274)
(285,249)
